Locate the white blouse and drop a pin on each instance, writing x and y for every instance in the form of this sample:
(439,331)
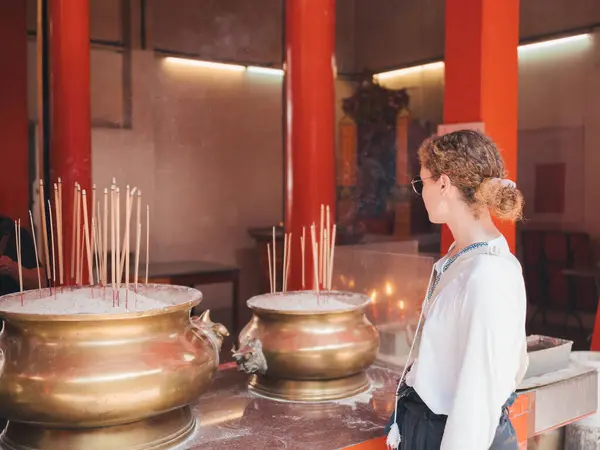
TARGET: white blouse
(473,349)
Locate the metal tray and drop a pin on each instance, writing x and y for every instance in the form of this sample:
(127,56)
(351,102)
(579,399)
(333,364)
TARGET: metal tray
(547,354)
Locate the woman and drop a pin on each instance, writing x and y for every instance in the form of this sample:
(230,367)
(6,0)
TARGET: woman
(473,351)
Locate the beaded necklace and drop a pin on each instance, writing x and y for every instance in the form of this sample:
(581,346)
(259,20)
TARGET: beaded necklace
(448,263)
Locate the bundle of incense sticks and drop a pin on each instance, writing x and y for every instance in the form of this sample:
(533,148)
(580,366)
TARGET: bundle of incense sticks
(286,262)
(323,250)
(89,238)
(322,247)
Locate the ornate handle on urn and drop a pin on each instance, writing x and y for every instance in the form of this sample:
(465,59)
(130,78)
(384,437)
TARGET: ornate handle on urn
(215,332)
(249,357)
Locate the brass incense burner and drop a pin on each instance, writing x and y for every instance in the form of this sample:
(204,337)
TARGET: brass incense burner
(105,381)
(312,355)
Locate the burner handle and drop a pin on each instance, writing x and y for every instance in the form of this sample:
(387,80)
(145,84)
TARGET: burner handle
(215,332)
(249,357)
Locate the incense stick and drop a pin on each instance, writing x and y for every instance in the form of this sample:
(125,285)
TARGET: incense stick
(315,255)
(137,254)
(44,229)
(326,247)
(59,228)
(88,247)
(138,237)
(289,258)
(93,200)
(325,258)
(95,248)
(121,259)
(127,239)
(18,244)
(284,261)
(118,236)
(320,279)
(274,263)
(127,235)
(270,267)
(98,247)
(105,239)
(73,233)
(92,208)
(147,240)
(331,257)
(52,245)
(78,237)
(303,245)
(80,256)
(112,238)
(37,261)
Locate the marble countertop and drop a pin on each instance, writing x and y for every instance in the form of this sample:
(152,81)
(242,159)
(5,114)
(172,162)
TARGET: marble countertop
(230,417)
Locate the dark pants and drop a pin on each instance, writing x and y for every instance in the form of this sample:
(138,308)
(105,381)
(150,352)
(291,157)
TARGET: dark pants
(421,429)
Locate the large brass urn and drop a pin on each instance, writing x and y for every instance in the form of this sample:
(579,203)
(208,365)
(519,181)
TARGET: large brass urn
(105,381)
(316,353)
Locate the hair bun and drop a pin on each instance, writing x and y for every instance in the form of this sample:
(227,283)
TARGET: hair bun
(502,197)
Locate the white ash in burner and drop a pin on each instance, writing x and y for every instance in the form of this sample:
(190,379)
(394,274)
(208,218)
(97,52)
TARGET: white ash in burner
(303,302)
(83,301)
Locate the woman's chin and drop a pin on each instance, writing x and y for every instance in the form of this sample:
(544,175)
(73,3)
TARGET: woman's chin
(436,220)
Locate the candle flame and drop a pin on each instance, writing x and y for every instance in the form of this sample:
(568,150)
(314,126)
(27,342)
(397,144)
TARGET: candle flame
(373,295)
(389,289)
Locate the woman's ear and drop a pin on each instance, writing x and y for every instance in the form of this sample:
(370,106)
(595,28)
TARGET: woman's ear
(444,182)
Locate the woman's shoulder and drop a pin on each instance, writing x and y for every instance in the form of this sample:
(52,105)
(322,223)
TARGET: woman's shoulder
(494,271)
(496,262)
(492,280)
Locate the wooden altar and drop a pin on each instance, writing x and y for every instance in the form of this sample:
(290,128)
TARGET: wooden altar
(376,160)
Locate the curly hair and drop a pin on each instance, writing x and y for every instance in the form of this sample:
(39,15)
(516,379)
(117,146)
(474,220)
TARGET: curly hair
(474,165)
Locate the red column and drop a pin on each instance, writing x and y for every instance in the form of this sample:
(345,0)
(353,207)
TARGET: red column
(309,112)
(595,347)
(70,127)
(481,80)
(14,183)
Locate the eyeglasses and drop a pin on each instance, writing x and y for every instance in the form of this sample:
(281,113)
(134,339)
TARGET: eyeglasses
(417,184)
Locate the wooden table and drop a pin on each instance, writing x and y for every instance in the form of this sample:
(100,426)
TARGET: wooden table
(196,273)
